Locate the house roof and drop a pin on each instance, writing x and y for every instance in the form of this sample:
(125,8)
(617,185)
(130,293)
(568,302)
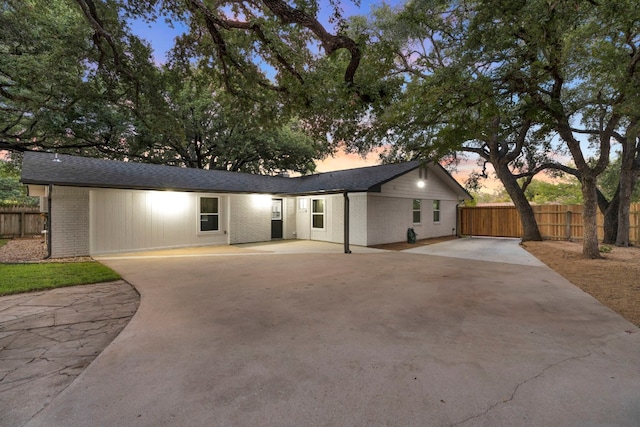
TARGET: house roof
(43,169)
(40,168)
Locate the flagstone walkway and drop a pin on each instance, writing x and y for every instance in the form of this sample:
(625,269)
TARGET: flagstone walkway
(48,338)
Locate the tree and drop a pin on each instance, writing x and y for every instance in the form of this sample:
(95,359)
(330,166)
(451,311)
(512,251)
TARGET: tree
(608,181)
(12,192)
(567,67)
(52,80)
(270,49)
(73,78)
(577,63)
(565,192)
(452,103)
(609,198)
(60,89)
(203,126)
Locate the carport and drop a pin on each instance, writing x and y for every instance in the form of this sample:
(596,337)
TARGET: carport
(384,338)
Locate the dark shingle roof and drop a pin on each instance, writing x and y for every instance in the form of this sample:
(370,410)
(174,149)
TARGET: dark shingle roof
(361,179)
(40,168)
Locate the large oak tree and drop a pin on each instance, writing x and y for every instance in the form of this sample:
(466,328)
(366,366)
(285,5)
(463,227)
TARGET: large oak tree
(568,67)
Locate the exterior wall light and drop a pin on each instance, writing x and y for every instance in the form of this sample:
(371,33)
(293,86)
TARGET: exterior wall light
(422,175)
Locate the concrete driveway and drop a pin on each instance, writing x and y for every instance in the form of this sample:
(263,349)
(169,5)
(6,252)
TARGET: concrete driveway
(381,338)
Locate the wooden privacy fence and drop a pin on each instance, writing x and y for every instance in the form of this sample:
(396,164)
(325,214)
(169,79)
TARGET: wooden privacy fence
(556,222)
(20,221)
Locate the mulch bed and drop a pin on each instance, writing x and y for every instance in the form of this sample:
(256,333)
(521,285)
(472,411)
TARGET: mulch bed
(401,246)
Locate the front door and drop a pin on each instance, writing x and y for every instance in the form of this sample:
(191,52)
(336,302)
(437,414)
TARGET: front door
(276,219)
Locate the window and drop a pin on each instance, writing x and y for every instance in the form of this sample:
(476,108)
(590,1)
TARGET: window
(209,214)
(317,213)
(436,211)
(417,214)
(276,210)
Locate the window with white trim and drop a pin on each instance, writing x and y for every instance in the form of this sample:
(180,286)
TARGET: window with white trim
(417,211)
(317,213)
(436,211)
(209,213)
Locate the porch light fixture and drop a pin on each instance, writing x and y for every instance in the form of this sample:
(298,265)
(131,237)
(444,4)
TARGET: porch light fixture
(261,201)
(421,182)
(169,203)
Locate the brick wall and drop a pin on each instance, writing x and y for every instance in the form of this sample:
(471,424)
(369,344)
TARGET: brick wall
(69,222)
(250,218)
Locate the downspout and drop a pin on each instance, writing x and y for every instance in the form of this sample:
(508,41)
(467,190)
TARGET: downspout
(346,223)
(50,190)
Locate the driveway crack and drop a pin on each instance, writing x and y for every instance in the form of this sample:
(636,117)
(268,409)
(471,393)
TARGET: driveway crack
(520,384)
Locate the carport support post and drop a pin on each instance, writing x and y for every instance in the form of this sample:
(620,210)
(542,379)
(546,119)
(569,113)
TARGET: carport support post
(346,223)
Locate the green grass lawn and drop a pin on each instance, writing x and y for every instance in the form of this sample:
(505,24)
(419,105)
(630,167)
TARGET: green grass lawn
(3,242)
(17,278)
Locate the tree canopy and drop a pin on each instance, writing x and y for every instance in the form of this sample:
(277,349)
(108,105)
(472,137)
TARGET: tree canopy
(247,88)
(12,192)
(517,82)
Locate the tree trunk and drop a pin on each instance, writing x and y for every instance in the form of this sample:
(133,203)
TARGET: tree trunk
(590,248)
(530,230)
(626,189)
(610,213)
(628,175)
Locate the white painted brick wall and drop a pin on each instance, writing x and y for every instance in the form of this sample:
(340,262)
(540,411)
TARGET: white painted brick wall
(69,222)
(390,217)
(358,219)
(250,218)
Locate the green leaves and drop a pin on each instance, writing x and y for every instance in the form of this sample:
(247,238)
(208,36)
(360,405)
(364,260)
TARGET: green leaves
(12,192)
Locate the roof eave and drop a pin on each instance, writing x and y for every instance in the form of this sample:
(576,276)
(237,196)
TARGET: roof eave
(140,187)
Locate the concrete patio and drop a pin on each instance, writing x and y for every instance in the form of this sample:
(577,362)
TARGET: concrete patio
(380,338)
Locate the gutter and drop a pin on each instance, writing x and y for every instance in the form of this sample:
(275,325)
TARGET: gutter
(346,223)
(50,190)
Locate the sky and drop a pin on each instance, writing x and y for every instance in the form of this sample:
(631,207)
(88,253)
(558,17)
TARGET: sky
(161,36)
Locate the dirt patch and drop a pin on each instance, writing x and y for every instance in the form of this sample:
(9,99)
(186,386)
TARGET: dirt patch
(401,246)
(613,280)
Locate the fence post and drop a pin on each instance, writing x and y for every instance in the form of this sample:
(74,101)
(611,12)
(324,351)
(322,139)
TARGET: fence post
(568,225)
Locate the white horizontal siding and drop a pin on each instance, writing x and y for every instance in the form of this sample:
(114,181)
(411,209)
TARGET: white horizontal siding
(303,218)
(333,219)
(289,216)
(406,186)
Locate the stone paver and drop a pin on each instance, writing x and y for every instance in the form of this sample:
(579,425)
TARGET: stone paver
(48,338)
